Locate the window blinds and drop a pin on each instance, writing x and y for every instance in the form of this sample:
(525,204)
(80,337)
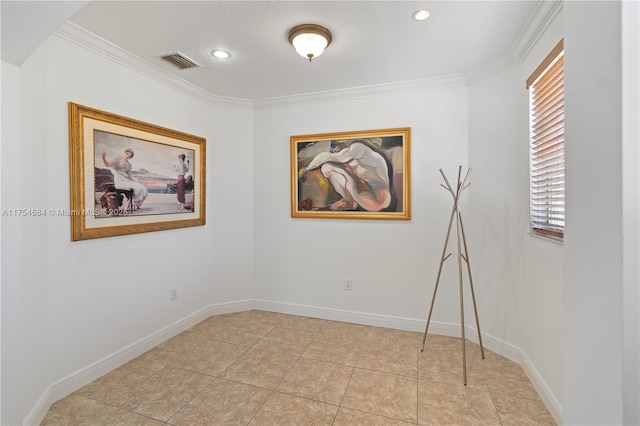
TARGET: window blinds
(546,101)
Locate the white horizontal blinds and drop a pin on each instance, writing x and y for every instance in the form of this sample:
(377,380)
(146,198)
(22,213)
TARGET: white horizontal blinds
(546,100)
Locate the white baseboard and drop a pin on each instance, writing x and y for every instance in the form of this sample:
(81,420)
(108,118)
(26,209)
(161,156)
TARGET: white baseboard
(409,324)
(549,399)
(37,413)
(340,315)
(74,381)
(82,377)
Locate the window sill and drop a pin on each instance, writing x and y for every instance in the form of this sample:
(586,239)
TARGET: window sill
(548,238)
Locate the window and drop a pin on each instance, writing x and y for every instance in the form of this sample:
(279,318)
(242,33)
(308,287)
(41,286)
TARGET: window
(546,126)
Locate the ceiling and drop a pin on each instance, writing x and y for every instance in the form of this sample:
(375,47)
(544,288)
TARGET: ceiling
(374,42)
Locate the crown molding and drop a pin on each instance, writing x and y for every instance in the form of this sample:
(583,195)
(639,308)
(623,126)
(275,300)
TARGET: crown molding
(545,13)
(86,39)
(385,89)
(96,44)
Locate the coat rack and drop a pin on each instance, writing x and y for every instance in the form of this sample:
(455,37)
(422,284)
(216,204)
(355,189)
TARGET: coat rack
(462,244)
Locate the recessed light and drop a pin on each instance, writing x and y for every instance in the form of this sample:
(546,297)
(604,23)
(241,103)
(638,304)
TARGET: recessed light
(221,54)
(421,15)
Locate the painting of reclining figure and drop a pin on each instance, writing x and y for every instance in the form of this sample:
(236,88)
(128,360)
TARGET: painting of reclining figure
(357,175)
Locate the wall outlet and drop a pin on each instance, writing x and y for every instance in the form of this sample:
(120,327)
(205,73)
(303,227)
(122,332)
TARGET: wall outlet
(173,293)
(348,284)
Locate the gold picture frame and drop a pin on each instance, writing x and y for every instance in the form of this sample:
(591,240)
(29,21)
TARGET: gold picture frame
(129,177)
(352,175)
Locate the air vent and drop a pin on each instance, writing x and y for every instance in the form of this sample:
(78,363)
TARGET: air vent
(180,61)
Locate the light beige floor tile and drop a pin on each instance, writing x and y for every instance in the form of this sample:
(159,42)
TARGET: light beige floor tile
(449,344)
(446,366)
(343,329)
(188,360)
(281,409)
(232,333)
(344,352)
(293,322)
(438,341)
(389,338)
(199,354)
(254,324)
(289,322)
(266,321)
(220,358)
(141,366)
(335,355)
(401,360)
(260,315)
(384,394)
(318,380)
(335,344)
(242,328)
(252,313)
(218,321)
(114,416)
(261,324)
(260,368)
(349,417)
(121,380)
(445,404)
(71,410)
(183,342)
(339,339)
(286,340)
(506,377)
(222,402)
(517,411)
(271,318)
(162,395)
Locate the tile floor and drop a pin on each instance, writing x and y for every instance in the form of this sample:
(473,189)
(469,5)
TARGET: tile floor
(264,368)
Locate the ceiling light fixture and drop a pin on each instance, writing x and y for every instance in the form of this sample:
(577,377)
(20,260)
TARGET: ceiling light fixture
(221,54)
(421,15)
(310,40)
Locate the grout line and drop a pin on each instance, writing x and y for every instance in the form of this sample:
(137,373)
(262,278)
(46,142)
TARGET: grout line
(261,406)
(493,401)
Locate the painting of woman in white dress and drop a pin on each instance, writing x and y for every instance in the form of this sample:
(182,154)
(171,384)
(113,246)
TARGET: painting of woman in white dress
(137,177)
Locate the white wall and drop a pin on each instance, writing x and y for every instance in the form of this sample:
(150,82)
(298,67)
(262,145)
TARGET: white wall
(522,274)
(11,309)
(79,302)
(631,210)
(593,307)
(393,264)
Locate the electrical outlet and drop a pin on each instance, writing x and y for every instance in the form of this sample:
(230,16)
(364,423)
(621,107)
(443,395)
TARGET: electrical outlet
(348,284)
(173,293)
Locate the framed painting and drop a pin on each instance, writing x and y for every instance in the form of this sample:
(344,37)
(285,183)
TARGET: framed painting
(128,176)
(352,175)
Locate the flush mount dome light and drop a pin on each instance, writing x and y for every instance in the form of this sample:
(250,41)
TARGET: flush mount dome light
(310,40)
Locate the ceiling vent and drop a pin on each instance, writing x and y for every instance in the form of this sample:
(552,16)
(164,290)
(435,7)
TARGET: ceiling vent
(180,61)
